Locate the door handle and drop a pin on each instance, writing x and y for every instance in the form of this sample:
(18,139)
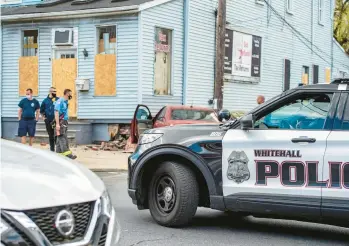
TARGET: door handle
(303,140)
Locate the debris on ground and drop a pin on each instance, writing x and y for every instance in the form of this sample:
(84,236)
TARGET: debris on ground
(118,139)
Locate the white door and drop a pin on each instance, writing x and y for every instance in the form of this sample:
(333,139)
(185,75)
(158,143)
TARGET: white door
(279,162)
(335,197)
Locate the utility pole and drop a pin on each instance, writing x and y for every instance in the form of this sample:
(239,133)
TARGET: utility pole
(220,53)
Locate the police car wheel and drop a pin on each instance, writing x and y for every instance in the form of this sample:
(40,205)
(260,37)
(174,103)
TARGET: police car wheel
(173,195)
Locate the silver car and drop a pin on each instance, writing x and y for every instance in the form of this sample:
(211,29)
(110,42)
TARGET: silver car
(49,200)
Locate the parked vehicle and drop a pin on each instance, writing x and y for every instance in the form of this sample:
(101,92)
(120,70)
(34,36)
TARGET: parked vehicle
(269,163)
(49,200)
(168,116)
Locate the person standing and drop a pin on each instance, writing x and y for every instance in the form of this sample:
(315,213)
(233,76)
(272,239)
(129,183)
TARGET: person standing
(260,99)
(61,125)
(47,111)
(28,115)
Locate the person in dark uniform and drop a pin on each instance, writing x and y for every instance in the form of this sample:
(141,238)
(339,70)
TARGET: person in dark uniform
(61,125)
(28,115)
(47,110)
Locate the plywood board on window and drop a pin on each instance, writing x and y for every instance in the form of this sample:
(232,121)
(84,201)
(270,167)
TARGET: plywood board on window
(28,74)
(64,72)
(105,75)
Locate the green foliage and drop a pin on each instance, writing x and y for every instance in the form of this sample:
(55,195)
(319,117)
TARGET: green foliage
(341,23)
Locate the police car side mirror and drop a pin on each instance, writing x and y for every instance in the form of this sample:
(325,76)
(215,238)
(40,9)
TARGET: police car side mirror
(246,122)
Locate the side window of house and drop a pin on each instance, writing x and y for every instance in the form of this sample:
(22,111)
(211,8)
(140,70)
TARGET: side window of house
(30,43)
(106,39)
(321,11)
(289,6)
(307,112)
(305,75)
(162,61)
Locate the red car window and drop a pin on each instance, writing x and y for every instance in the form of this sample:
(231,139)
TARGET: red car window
(203,115)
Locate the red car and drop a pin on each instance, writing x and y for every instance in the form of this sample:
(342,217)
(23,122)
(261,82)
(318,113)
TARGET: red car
(168,116)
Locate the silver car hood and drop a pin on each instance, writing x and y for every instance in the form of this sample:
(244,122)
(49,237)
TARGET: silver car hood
(33,178)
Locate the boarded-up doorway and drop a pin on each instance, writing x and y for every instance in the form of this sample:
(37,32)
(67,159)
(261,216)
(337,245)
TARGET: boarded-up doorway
(64,72)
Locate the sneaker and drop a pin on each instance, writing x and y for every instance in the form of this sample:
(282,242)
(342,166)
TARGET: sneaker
(71,156)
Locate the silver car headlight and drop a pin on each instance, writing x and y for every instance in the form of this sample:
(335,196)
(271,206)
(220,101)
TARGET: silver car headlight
(106,203)
(149,138)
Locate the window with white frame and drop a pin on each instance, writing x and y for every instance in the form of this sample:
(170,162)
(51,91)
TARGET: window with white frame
(289,6)
(321,12)
(5,2)
(106,39)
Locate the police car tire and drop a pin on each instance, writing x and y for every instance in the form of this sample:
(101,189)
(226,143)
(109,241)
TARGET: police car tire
(187,195)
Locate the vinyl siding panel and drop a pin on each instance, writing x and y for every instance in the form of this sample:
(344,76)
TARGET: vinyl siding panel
(341,60)
(201,52)
(120,106)
(9,75)
(168,15)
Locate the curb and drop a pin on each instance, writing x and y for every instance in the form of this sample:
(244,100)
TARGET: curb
(102,170)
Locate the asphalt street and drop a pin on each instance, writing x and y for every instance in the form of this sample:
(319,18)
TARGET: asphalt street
(211,227)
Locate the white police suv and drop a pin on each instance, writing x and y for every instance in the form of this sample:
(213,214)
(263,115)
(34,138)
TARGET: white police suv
(47,199)
(287,158)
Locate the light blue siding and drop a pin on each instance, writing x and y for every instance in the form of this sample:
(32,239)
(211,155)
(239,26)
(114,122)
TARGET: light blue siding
(278,43)
(9,76)
(340,60)
(168,15)
(201,52)
(118,107)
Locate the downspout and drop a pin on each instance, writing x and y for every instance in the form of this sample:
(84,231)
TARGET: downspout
(332,27)
(185,50)
(1,81)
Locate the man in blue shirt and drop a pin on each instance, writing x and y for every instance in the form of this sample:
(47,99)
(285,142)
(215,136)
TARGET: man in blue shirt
(28,115)
(61,124)
(47,110)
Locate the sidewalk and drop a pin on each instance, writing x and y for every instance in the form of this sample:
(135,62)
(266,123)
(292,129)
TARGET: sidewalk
(98,161)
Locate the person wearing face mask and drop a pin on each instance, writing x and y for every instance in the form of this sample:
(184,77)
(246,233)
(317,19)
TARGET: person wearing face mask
(61,125)
(28,115)
(47,111)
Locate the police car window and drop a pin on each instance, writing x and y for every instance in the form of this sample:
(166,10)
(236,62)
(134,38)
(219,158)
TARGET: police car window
(345,123)
(306,112)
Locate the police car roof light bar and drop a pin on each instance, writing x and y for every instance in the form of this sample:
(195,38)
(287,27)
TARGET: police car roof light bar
(340,81)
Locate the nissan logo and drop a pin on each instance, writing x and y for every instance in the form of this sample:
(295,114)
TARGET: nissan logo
(65,223)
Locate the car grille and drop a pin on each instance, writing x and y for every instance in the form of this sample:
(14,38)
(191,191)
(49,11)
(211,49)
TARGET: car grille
(103,237)
(45,219)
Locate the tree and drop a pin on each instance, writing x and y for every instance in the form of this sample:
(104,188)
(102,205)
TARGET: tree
(341,23)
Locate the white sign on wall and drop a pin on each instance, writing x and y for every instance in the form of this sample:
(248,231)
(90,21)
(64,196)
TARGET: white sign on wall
(242,57)
(242,54)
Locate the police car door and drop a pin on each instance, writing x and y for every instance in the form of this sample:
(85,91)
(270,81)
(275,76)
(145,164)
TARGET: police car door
(335,196)
(277,163)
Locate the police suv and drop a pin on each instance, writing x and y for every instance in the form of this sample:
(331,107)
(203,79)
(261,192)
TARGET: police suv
(288,158)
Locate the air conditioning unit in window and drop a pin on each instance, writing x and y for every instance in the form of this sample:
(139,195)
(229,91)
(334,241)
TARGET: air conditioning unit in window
(63,36)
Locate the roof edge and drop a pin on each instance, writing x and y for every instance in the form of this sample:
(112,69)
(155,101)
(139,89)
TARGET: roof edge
(152,4)
(72,14)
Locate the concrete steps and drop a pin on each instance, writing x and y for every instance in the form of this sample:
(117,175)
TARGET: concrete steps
(41,135)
